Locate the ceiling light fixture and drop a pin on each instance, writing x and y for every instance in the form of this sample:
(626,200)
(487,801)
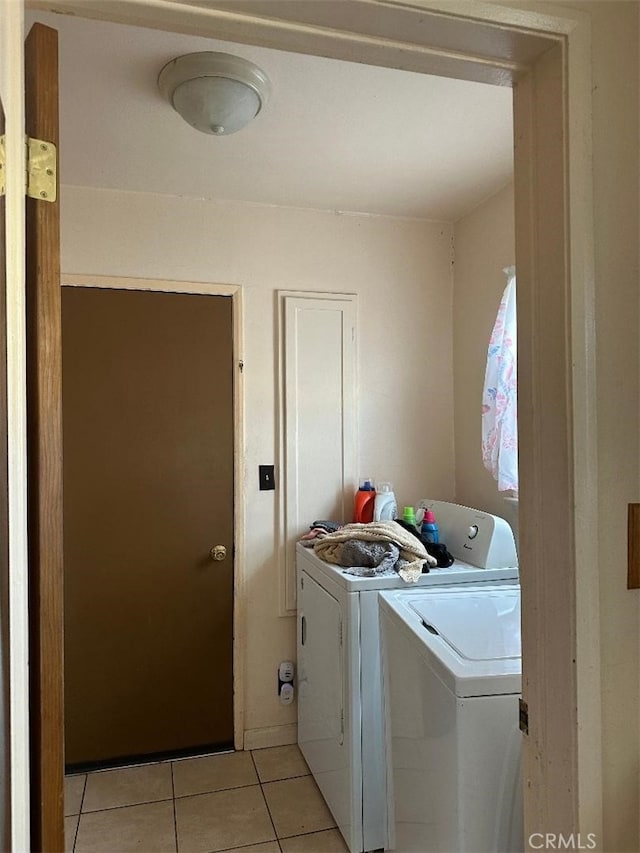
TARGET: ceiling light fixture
(214,92)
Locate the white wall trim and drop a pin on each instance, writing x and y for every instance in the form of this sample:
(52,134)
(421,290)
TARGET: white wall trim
(239,587)
(12,58)
(422,42)
(580,288)
(12,50)
(271,736)
(553,300)
(161,285)
(527,15)
(289,303)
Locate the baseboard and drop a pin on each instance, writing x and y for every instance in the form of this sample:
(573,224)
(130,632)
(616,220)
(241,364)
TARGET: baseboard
(271,736)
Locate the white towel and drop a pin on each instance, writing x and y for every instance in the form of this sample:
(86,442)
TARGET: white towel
(411,548)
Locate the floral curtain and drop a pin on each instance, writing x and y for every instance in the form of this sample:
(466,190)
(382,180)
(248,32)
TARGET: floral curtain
(500,397)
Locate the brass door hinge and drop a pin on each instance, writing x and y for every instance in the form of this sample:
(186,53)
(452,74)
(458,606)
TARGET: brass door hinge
(2,166)
(42,168)
(524,716)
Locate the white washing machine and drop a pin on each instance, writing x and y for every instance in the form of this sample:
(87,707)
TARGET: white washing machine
(451,684)
(340,718)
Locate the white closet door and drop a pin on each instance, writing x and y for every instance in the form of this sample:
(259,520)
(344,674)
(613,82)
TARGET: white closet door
(320,677)
(326,666)
(319,443)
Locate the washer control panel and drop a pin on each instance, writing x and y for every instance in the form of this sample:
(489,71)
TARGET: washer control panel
(473,536)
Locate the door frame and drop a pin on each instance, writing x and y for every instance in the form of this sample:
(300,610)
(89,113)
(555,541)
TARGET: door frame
(546,56)
(12,72)
(234,292)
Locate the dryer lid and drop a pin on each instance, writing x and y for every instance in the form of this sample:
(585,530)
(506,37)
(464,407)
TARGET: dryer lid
(479,626)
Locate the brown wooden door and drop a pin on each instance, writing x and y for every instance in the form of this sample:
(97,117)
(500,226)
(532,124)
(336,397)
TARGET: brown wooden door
(44,435)
(148,491)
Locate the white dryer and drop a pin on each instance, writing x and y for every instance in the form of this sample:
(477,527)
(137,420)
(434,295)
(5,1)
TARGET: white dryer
(340,715)
(451,683)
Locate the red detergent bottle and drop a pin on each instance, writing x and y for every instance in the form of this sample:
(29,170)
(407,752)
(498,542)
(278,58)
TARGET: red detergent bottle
(364,501)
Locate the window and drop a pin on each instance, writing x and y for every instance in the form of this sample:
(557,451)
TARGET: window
(500,395)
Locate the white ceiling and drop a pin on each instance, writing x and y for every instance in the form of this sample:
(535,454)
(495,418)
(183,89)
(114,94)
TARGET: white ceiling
(335,135)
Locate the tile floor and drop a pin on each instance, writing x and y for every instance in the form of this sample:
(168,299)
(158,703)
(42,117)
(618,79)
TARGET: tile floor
(263,801)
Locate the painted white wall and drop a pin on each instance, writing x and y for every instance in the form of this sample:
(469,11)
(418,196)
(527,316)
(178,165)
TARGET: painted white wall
(616,98)
(615,28)
(484,244)
(401,271)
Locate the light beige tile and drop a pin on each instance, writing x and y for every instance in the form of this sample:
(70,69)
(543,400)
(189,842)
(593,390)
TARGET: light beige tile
(213,773)
(70,827)
(297,806)
(149,827)
(128,786)
(222,820)
(267,847)
(329,841)
(280,762)
(73,791)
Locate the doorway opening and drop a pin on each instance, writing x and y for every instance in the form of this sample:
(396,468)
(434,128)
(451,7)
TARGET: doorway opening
(398,210)
(543,266)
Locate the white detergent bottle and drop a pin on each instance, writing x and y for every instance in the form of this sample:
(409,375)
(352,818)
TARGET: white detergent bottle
(385,507)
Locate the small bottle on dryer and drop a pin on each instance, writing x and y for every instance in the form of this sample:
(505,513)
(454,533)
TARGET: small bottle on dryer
(385,507)
(409,515)
(364,501)
(429,527)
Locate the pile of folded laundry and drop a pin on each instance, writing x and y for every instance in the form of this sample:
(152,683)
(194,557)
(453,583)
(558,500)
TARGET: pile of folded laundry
(370,549)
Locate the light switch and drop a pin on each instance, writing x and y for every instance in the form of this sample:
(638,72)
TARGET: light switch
(266,478)
(633,546)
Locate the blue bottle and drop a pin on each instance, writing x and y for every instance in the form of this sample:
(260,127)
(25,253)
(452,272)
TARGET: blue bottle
(429,527)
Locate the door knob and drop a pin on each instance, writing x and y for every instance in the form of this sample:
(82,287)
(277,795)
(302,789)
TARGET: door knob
(218,553)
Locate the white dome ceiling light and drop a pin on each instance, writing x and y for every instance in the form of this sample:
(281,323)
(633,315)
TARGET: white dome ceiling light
(214,92)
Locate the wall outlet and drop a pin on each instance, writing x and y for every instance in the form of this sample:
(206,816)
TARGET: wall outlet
(286,674)
(286,694)
(286,671)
